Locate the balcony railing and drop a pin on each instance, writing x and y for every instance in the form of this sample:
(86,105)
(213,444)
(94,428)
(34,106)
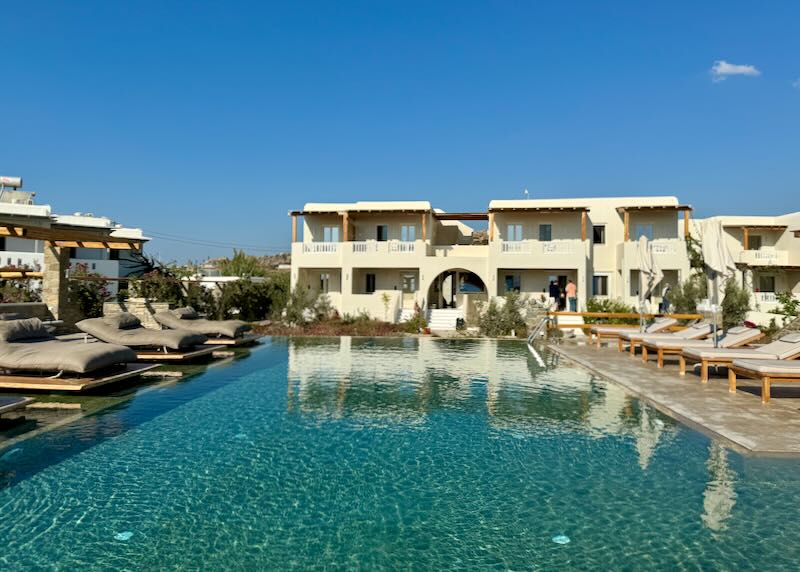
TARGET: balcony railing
(401,246)
(537,247)
(320,247)
(391,246)
(766,298)
(764,257)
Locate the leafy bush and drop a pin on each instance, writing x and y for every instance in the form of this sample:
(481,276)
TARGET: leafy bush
(788,305)
(417,322)
(88,292)
(299,302)
(735,304)
(500,321)
(685,296)
(242,265)
(16,291)
(607,305)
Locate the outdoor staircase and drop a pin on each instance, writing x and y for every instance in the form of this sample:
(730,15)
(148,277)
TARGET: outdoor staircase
(444,319)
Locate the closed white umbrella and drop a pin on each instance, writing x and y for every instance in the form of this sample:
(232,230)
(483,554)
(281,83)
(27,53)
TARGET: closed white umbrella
(650,274)
(720,264)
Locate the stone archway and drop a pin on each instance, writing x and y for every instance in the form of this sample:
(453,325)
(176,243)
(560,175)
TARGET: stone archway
(457,288)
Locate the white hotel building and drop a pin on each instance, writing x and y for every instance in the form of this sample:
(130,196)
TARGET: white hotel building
(384,257)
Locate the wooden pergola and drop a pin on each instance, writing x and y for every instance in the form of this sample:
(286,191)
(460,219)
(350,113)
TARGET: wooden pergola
(348,215)
(58,238)
(584,212)
(747,228)
(627,210)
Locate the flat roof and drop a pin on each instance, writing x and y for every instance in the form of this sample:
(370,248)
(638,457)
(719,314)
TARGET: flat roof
(757,226)
(461,216)
(407,207)
(622,209)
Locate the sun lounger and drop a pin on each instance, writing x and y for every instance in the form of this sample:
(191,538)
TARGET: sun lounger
(613,332)
(766,371)
(733,338)
(126,330)
(693,332)
(218,331)
(786,348)
(9,404)
(28,350)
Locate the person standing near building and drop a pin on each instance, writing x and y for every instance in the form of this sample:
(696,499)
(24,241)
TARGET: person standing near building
(555,294)
(572,296)
(665,299)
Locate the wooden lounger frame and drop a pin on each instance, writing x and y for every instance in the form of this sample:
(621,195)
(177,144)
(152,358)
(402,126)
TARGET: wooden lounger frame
(17,403)
(188,355)
(707,362)
(599,336)
(234,342)
(677,350)
(765,379)
(74,384)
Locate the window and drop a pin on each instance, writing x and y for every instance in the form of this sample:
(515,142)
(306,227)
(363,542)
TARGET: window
(382,232)
(2,242)
(330,234)
(113,254)
(766,283)
(599,234)
(370,283)
(514,232)
(545,232)
(599,285)
(513,282)
(644,230)
(408,233)
(324,282)
(754,242)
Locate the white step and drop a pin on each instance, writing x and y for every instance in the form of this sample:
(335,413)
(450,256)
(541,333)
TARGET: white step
(444,319)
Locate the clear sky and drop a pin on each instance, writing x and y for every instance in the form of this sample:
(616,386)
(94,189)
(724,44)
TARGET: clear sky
(212,120)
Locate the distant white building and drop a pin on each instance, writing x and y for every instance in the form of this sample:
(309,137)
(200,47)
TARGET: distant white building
(28,254)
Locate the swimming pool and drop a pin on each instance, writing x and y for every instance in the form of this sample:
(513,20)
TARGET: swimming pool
(390,454)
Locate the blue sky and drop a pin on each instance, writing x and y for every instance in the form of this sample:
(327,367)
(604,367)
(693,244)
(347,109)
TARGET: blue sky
(212,120)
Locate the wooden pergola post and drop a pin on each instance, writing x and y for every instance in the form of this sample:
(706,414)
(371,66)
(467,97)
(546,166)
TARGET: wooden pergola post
(686,223)
(424,226)
(746,238)
(345,226)
(294,228)
(626,216)
(583,225)
(491,227)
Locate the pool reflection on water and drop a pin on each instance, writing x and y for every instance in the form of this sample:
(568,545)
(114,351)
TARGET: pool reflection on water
(391,453)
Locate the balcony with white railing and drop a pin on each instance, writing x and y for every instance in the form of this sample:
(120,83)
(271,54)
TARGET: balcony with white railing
(670,253)
(764,257)
(384,247)
(319,254)
(562,253)
(460,251)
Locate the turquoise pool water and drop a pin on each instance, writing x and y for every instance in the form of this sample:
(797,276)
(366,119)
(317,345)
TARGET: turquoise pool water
(391,454)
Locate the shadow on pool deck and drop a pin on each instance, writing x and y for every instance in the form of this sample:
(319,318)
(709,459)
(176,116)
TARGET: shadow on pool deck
(739,419)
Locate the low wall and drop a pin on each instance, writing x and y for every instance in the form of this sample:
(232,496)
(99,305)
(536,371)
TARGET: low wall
(140,307)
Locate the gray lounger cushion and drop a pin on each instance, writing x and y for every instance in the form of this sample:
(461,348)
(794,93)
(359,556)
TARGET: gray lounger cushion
(123,321)
(786,347)
(11,316)
(227,328)
(773,367)
(59,355)
(692,332)
(733,337)
(139,337)
(27,329)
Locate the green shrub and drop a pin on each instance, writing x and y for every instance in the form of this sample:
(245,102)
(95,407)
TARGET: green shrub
(788,305)
(684,297)
(735,304)
(417,322)
(16,291)
(607,305)
(242,265)
(501,321)
(300,300)
(88,292)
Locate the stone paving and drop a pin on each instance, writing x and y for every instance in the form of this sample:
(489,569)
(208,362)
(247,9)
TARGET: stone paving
(740,420)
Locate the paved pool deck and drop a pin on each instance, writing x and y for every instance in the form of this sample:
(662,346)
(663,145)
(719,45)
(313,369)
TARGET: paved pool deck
(740,420)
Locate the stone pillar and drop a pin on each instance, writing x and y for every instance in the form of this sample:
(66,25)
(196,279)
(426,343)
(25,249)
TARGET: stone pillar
(54,279)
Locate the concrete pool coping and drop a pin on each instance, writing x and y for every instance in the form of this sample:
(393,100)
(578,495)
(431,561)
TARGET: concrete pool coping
(740,420)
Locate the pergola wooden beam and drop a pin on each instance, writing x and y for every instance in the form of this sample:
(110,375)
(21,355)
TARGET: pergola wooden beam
(68,237)
(583,225)
(21,274)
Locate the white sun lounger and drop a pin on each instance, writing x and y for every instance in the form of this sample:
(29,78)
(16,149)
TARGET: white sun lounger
(786,348)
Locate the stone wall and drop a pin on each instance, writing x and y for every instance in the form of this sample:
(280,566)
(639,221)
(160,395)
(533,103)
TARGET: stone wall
(140,307)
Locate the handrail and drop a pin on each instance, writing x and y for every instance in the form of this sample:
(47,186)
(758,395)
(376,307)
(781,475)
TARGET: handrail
(627,315)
